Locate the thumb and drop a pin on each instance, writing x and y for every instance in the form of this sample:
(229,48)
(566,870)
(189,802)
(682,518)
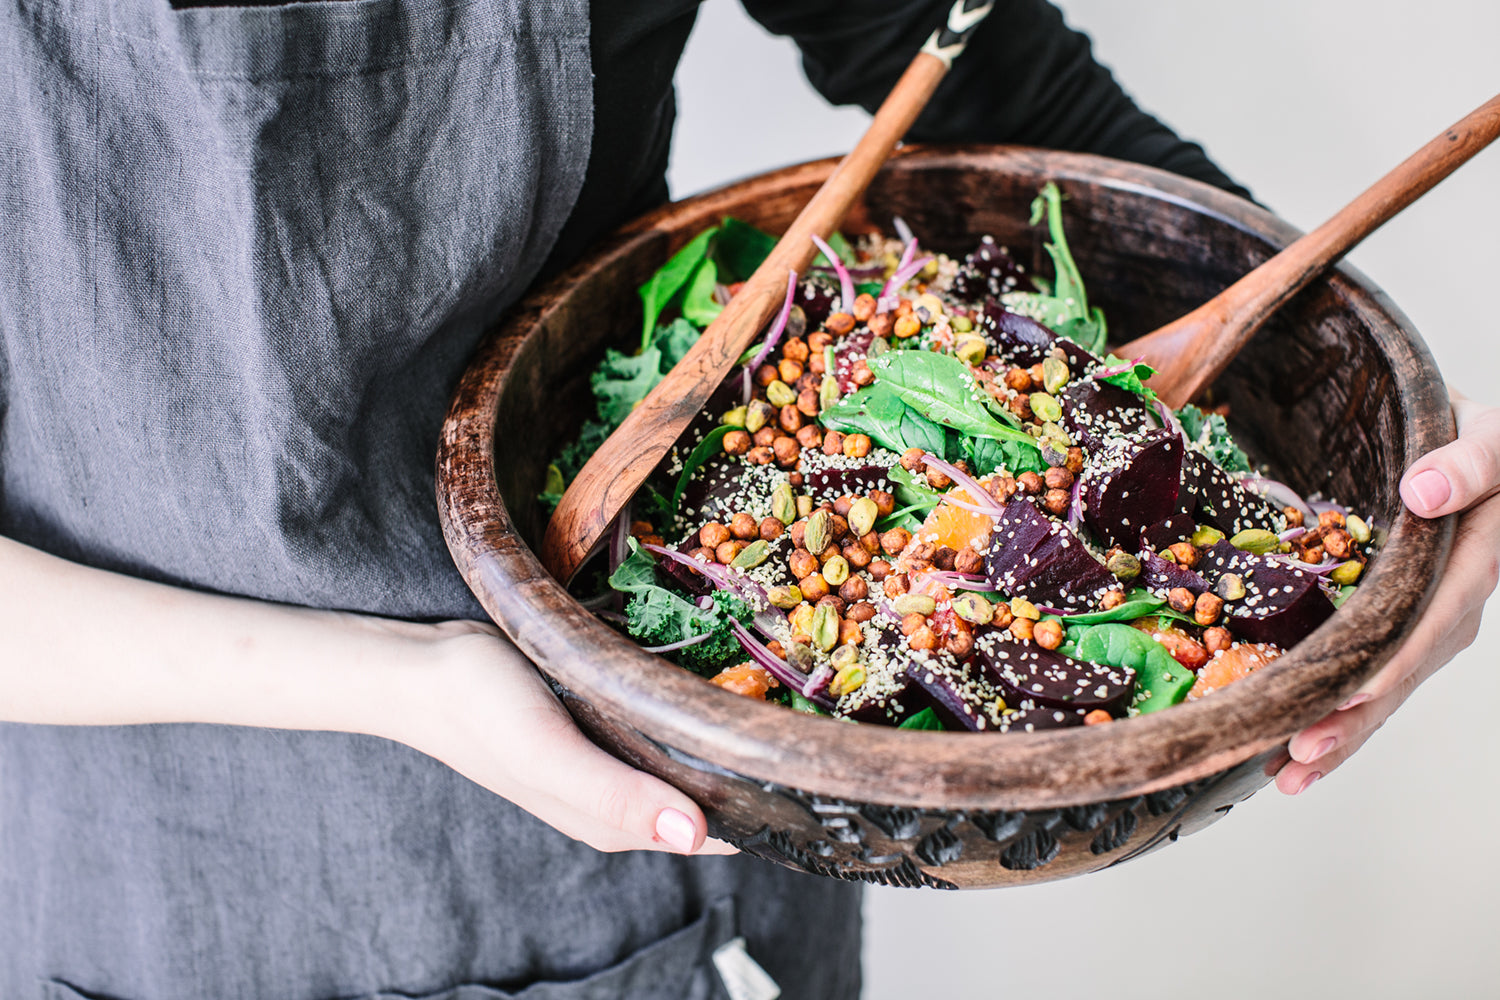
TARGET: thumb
(1461,473)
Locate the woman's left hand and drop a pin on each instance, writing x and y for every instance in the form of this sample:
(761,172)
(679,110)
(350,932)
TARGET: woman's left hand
(1461,476)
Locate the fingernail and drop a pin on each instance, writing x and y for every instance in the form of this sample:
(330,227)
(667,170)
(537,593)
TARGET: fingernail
(675,830)
(1431,488)
(1358,699)
(1320,750)
(1307,782)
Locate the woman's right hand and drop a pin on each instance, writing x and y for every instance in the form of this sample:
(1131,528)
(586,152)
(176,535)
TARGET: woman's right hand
(482,709)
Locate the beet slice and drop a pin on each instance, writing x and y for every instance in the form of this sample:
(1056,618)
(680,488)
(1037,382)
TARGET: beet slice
(1282,604)
(846,353)
(1213,496)
(819,297)
(1035,557)
(1019,340)
(1025,671)
(1130,484)
(988,272)
(1096,413)
(1177,528)
(1160,575)
(1036,718)
(834,482)
(715,492)
(960,694)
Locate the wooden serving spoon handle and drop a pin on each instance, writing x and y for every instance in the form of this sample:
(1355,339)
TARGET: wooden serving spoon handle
(1190,352)
(611,477)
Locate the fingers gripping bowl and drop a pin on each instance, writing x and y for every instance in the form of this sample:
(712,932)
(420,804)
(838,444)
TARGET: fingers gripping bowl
(1337,394)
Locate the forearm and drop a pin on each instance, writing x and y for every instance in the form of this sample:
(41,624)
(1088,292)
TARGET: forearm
(83,646)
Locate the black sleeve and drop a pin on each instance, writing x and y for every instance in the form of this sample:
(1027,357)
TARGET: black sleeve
(1026,78)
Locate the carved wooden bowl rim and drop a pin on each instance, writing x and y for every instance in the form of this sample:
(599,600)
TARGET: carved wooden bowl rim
(935,769)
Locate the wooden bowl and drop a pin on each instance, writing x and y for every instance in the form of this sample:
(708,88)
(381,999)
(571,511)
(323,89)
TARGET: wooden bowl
(1338,394)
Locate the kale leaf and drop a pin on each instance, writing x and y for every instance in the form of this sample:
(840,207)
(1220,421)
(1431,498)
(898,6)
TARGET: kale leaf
(658,617)
(1211,433)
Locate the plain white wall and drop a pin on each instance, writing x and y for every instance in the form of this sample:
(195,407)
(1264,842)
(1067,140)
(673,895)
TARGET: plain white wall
(1383,880)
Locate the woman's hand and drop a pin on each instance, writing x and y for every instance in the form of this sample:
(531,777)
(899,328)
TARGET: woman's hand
(1461,476)
(483,710)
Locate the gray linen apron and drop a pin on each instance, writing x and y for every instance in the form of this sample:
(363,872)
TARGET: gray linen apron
(244,253)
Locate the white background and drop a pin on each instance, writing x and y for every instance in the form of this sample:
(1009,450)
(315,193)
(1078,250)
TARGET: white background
(1383,880)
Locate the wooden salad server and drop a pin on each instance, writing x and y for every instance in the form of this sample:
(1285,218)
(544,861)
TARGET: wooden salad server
(1190,352)
(611,477)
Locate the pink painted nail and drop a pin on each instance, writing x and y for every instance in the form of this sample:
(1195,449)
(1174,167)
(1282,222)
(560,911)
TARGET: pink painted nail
(675,830)
(1358,699)
(1431,488)
(1322,748)
(1307,782)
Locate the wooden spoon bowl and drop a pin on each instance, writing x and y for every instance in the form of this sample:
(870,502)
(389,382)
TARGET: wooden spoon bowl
(1338,394)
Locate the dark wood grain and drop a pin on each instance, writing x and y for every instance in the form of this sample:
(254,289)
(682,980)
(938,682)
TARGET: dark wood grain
(1338,394)
(1192,351)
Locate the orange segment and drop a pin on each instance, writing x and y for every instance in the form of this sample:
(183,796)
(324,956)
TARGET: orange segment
(1239,660)
(956,527)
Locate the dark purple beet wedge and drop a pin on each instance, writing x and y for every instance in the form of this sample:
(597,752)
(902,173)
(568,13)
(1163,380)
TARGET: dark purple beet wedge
(989,272)
(1025,671)
(1033,718)
(1096,413)
(819,297)
(832,483)
(960,694)
(1160,575)
(1035,557)
(1131,484)
(1282,604)
(1177,528)
(1213,496)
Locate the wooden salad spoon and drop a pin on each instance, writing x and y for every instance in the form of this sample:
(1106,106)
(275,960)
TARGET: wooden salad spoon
(1190,352)
(616,471)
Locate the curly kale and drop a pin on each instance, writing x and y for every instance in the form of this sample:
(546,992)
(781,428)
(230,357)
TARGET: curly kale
(658,617)
(1211,433)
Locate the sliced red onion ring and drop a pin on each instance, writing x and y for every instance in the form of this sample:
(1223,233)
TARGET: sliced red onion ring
(767,616)
(903,231)
(774,336)
(1121,369)
(971,485)
(778,668)
(846,283)
(1278,493)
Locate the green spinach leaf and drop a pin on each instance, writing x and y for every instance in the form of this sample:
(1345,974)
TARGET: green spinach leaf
(877,411)
(741,249)
(1132,379)
(942,389)
(1160,681)
(671,277)
(1061,305)
(698,305)
(925,719)
(706,449)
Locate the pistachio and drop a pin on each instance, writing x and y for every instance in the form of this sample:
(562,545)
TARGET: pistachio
(796,322)
(844,656)
(974,608)
(1358,529)
(1022,608)
(758,414)
(799,656)
(851,678)
(836,570)
(1053,455)
(752,555)
(931,303)
(1346,573)
(825,627)
(1123,565)
(878,346)
(1053,432)
(779,394)
(785,598)
(1046,407)
(961,324)
(818,533)
(862,515)
(783,503)
(971,350)
(914,604)
(736,416)
(1230,587)
(1055,374)
(1256,540)
(828,392)
(804,506)
(1205,535)
(801,619)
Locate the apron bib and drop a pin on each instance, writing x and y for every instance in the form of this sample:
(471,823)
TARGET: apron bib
(247,252)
